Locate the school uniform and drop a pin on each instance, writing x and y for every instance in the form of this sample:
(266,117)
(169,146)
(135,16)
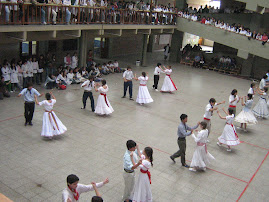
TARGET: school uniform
(89,86)
(35,69)
(232,105)
(24,68)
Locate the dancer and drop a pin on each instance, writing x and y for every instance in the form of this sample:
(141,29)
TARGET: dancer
(262,84)
(29,104)
(233,100)
(98,197)
(157,72)
(201,157)
(129,172)
(127,77)
(142,190)
(168,84)
(52,125)
(181,141)
(246,116)
(143,95)
(229,136)
(251,90)
(74,189)
(103,106)
(88,86)
(209,109)
(260,110)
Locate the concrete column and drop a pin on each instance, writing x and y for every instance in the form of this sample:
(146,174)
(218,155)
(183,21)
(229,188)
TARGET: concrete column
(151,43)
(144,50)
(247,66)
(83,49)
(176,43)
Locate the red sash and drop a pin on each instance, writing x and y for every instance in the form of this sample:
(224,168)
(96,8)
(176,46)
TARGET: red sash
(143,85)
(234,130)
(75,194)
(105,98)
(206,119)
(146,171)
(171,81)
(232,106)
(202,144)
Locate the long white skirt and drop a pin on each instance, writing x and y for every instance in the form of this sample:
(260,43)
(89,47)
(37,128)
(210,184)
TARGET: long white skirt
(200,158)
(102,107)
(142,190)
(228,136)
(261,109)
(52,125)
(143,95)
(246,117)
(168,85)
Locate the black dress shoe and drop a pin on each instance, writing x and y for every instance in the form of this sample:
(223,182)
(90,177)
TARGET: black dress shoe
(30,123)
(131,98)
(123,97)
(186,166)
(171,157)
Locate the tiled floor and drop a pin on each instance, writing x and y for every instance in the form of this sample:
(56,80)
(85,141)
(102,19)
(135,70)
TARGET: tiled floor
(35,169)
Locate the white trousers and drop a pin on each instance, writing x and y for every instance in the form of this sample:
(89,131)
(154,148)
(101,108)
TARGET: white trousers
(129,181)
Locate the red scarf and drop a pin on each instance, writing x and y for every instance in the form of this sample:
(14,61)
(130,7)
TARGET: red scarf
(75,194)
(171,81)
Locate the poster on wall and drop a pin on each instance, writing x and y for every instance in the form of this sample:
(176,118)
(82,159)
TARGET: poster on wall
(165,39)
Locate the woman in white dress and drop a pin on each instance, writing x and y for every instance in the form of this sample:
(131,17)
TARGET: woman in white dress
(142,190)
(168,84)
(51,123)
(229,136)
(246,116)
(143,95)
(14,76)
(201,157)
(74,61)
(233,100)
(103,106)
(261,110)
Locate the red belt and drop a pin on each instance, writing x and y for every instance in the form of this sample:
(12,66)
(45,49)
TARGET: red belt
(232,106)
(171,81)
(206,119)
(105,98)
(143,85)
(202,144)
(146,171)
(233,129)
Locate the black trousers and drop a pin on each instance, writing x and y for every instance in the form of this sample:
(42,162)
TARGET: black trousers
(182,149)
(29,108)
(156,81)
(130,85)
(85,97)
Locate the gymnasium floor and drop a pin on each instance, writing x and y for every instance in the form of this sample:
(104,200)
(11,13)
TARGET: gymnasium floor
(35,169)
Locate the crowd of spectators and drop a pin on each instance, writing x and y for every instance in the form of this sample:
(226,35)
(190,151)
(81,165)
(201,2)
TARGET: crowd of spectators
(212,9)
(235,28)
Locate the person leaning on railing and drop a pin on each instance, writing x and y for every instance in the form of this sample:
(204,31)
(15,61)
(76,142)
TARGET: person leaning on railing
(67,4)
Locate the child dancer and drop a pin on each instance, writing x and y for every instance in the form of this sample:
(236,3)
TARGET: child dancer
(168,84)
(142,190)
(157,72)
(261,110)
(88,86)
(143,95)
(201,157)
(229,136)
(51,123)
(246,116)
(103,106)
(233,100)
(251,89)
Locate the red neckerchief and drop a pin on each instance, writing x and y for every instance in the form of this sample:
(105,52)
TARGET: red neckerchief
(75,194)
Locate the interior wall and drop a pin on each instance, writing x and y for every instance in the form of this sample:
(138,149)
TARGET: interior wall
(9,51)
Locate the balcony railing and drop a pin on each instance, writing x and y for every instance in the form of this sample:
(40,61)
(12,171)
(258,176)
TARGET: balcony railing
(29,13)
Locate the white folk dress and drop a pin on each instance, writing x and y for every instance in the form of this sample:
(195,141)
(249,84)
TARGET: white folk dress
(103,105)
(246,116)
(168,84)
(261,110)
(201,157)
(229,136)
(51,123)
(143,95)
(142,190)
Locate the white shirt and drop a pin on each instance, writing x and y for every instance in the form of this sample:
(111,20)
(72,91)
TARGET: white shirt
(143,80)
(81,188)
(116,64)
(24,68)
(67,2)
(157,71)
(60,78)
(262,84)
(128,75)
(208,114)
(48,106)
(74,62)
(35,67)
(88,85)
(6,73)
(251,91)
(127,162)
(231,98)
(168,71)
(30,69)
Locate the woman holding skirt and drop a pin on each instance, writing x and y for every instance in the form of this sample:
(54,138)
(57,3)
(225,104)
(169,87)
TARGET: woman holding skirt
(261,110)
(168,84)
(103,106)
(51,123)
(201,157)
(143,95)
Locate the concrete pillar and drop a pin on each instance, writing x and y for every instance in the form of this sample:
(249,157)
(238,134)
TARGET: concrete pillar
(176,43)
(83,49)
(151,43)
(247,66)
(144,50)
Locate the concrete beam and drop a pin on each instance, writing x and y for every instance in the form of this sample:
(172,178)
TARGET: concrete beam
(143,31)
(157,31)
(19,36)
(115,32)
(168,31)
(73,33)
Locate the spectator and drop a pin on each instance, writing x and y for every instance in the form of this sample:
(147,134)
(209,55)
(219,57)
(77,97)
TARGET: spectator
(3,88)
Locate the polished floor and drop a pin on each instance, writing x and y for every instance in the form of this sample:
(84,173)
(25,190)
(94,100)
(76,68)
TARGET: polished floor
(35,169)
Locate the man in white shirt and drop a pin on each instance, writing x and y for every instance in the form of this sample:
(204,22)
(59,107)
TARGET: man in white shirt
(127,77)
(74,189)
(157,72)
(88,86)
(209,109)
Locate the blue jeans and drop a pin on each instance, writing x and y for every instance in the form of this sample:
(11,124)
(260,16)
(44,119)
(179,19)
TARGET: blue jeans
(43,15)
(7,14)
(67,16)
(130,85)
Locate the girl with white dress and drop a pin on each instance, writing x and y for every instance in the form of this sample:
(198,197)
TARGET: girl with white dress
(201,157)
(103,106)
(142,190)
(74,61)
(246,116)
(261,110)
(229,136)
(251,90)
(233,100)
(14,76)
(143,95)
(168,84)
(51,123)
(6,74)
